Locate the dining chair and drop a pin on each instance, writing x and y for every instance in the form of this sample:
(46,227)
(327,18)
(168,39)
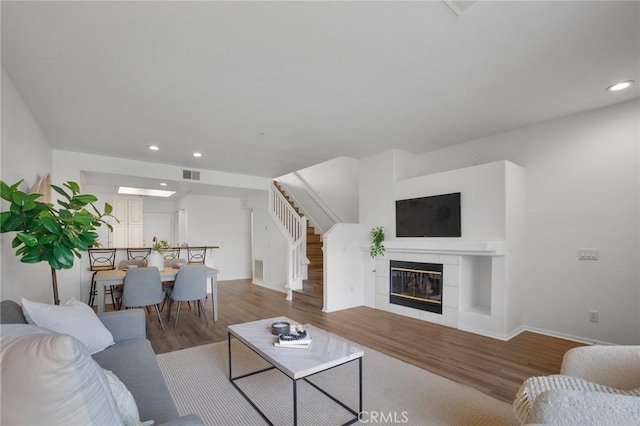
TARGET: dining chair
(143,287)
(172,253)
(167,285)
(196,254)
(138,253)
(190,284)
(123,265)
(174,263)
(101,259)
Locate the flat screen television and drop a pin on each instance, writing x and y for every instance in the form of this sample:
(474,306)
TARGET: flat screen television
(434,216)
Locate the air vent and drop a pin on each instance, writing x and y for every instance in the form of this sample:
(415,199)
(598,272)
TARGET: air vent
(258,269)
(190,174)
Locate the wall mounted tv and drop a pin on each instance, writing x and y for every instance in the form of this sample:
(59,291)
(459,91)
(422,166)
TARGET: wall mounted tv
(434,216)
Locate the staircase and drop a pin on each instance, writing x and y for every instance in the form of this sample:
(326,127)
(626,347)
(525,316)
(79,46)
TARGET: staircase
(312,291)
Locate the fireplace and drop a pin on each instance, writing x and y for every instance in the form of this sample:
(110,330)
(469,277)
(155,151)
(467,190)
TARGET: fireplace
(416,285)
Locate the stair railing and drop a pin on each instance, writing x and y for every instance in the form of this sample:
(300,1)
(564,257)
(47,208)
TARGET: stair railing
(294,228)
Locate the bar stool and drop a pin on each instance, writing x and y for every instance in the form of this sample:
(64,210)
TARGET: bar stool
(138,254)
(172,253)
(196,255)
(101,260)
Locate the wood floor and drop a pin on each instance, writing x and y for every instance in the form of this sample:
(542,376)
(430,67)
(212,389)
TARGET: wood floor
(492,366)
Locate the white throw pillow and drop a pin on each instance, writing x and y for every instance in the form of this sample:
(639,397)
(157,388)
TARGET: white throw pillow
(75,319)
(124,400)
(50,378)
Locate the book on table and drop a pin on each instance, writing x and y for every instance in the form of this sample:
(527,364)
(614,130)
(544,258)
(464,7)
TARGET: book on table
(295,344)
(298,339)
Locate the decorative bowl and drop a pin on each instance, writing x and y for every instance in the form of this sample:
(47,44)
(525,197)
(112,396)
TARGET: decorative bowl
(280,327)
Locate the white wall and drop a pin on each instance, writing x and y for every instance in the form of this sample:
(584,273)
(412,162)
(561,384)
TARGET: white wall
(343,267)
(482,200)
(223,222)
(24,154)
(582,191)
(335,183)
(269,245)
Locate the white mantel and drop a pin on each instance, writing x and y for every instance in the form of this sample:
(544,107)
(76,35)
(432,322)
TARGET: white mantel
(413,245)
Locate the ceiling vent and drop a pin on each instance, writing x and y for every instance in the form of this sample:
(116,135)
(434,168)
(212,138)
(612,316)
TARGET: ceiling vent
(190,174)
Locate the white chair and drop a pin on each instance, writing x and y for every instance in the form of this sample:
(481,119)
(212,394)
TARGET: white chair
(597,385)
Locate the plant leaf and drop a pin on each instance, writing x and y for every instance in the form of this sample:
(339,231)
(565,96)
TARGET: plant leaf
(51,225)
(74,187)
(12,222)
(28,239)
(63,255)
(61,191)
(31,257)
(85,199)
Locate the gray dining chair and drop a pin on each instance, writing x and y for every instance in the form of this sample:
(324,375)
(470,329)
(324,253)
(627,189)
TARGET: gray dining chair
(173,263)
(190,284)
(124,264)
(143,287)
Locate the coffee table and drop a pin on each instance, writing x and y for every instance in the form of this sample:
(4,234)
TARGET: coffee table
(325,352)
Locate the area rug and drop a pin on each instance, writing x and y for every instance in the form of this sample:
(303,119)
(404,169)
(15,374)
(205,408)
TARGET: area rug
(394,392)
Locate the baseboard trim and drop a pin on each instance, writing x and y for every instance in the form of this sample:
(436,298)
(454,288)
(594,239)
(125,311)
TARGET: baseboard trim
(481,333)
(566,336)
(262,284)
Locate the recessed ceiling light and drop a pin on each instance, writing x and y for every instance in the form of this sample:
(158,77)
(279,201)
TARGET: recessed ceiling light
(163,184)
(154,147)
(620,86)
(143,191)
(197,154)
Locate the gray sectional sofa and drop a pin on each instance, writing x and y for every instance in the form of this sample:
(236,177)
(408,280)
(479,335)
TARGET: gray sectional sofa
(132,359)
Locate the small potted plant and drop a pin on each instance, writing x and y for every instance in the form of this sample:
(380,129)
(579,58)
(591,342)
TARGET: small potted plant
(161,246)
(377,248)
(156,258)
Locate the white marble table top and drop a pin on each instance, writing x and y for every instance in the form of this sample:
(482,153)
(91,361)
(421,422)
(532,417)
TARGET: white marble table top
(326,350)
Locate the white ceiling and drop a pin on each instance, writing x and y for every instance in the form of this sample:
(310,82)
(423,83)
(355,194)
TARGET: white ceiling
(266,88)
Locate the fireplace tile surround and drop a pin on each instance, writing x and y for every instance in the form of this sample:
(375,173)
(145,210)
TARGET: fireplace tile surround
(450,292)
(473,285)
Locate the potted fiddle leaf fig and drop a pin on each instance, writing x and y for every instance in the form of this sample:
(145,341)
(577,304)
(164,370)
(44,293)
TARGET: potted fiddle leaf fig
(377,248)
(49,233)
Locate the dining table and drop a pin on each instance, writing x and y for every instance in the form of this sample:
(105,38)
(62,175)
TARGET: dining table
(117,276)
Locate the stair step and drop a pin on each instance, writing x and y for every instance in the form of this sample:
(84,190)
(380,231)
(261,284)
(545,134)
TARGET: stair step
(316,276)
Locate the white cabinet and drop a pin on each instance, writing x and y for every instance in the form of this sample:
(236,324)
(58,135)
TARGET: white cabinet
(127,231)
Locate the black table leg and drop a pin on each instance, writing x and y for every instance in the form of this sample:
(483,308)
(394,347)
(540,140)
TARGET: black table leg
(295,403)
(229,342)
